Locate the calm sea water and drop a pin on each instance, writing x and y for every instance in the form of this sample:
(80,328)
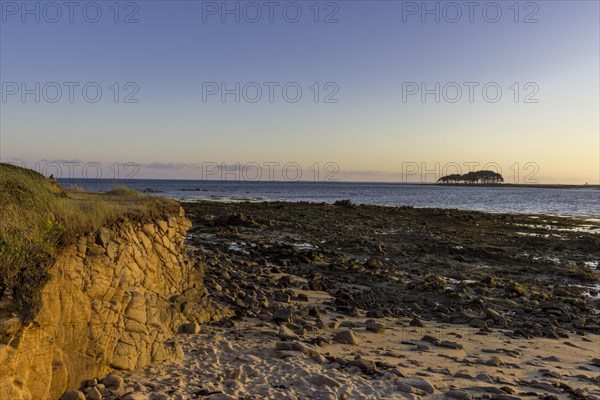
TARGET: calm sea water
(574,202)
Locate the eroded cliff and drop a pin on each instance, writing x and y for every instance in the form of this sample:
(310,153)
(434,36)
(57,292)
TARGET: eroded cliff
(114,300)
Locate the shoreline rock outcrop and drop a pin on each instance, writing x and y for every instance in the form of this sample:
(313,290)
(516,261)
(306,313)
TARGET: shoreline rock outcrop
(115,300)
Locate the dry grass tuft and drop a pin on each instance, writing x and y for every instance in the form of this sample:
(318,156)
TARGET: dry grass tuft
(37,217)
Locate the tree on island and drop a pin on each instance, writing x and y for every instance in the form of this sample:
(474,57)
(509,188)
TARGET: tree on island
(475,177)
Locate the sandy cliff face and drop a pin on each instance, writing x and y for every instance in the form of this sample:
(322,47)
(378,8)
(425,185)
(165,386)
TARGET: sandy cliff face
(114,301)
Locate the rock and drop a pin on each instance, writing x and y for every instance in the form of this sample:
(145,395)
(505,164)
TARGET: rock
(551,359)
(346,337)
(417,322)
(93,394)
(458,394)
(286,333)
(314,312)
(376,327)
(103,237)
(462,375)
(451,345)
(189,328)
(322,341)
(494,362)
(297,346)
(504,397)
(283,315)
(437,370)
(73,395)
(302,297)
(375,314)
(431,339)
(135,396)
(398,373)
(489,281)
(484,378)
(421,384)
(282,297)
(221,396)
(365,365)
(113,382)
(403,387)
(478,323)
(423,347)
(323,380)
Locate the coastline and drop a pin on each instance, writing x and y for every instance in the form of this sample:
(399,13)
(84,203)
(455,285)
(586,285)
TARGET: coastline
(368,302)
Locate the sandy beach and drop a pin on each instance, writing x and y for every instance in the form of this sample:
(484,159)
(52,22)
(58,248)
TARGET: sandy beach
(319,309)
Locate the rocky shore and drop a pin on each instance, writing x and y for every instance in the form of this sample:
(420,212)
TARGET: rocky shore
(363,302)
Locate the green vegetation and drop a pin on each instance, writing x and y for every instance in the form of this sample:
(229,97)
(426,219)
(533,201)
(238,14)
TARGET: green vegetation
(38,217)
(121,190)
(476,177)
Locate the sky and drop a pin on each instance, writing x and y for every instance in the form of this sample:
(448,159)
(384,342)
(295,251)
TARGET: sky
(400,91)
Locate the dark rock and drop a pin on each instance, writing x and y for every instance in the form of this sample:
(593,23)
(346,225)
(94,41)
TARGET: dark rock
(283,315)
(451,345)
(376,327)
(375,314)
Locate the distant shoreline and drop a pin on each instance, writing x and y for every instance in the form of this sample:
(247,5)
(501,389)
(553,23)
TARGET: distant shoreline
(511,185)
(528,185)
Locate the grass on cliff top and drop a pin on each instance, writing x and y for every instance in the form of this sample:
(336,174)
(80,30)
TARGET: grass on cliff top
(38,217)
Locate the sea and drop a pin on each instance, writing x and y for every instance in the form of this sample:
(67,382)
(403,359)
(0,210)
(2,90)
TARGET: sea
(579,201)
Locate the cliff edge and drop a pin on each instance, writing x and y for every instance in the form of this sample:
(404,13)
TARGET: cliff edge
(111,298)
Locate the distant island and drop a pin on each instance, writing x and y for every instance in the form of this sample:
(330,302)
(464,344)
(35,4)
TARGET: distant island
(476,177)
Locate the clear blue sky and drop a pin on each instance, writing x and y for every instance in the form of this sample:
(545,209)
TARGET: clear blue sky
(370,55)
